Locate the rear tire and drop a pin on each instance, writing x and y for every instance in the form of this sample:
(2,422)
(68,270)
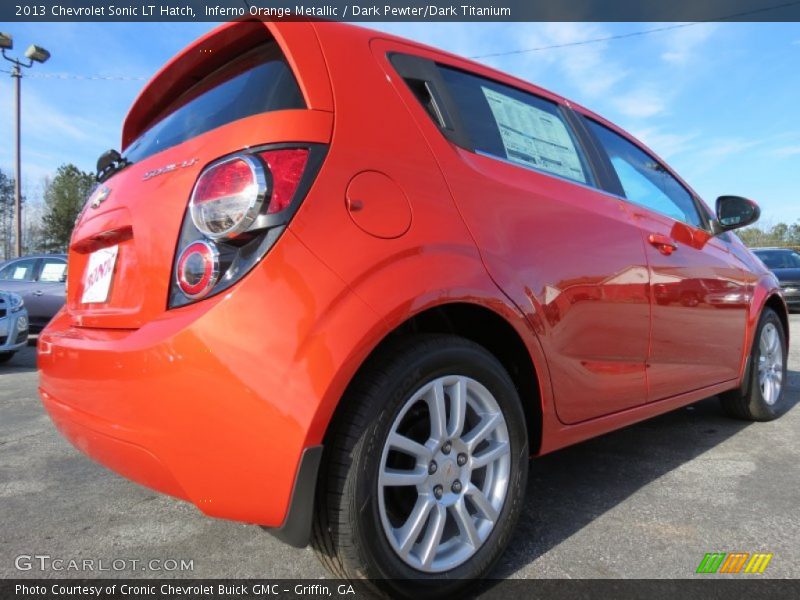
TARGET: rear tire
(464,497)
(763,397)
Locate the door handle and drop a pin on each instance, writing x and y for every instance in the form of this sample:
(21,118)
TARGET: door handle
(664,244)
(38,293)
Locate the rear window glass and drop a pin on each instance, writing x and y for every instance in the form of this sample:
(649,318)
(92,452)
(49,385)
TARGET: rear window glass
(519,127)
(644,180)
(20,270)
(53,271)
(256,82)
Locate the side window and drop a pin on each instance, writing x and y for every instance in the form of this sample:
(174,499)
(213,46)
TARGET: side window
(53,271)
(20,270)
(519,127)
(645,181)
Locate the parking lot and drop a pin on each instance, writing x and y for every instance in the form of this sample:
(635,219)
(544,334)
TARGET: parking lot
(645,502)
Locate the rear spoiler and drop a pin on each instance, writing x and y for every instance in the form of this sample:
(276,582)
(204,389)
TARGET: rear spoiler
(297,40)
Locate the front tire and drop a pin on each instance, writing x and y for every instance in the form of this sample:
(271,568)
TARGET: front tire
(763,397)
(5,357)
(425,470)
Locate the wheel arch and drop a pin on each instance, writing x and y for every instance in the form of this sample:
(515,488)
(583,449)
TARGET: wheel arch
(486,327)
(764,297)
(776,303)
(479,316)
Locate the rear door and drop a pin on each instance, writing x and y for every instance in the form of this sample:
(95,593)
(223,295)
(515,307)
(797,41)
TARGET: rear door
(48,294)
(569,255)
(700,291)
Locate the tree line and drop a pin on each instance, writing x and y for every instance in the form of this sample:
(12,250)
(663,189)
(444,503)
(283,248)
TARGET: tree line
(50,228)
(780,234)
(65,194)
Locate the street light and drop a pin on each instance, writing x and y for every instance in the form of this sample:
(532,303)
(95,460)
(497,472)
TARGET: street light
(34,53)
(37,53)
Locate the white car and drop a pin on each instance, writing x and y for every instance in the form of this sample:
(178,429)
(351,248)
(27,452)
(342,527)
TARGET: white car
(13,325)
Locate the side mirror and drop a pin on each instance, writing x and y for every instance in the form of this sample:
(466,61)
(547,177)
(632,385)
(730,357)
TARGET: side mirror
(734,212)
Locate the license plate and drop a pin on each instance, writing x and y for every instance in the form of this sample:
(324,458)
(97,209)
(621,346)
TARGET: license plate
(98,275)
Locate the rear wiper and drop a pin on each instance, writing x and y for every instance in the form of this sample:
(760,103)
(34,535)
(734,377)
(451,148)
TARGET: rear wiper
(110,162)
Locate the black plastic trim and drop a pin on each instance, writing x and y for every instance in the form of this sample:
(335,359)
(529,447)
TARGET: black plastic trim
(426,71)
(605,176)
(296,528)
(748,367)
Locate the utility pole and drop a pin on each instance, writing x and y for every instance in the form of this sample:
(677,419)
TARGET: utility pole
(33,54)
(16,74)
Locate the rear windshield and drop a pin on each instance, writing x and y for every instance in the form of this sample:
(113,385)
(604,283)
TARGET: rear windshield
(256,82)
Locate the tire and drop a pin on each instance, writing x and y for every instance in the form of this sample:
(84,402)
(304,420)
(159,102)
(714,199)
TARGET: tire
(768,360)
(358,504)
(5,357)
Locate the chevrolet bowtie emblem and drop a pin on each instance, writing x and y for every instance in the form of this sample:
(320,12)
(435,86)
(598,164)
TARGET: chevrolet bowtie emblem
(99,196)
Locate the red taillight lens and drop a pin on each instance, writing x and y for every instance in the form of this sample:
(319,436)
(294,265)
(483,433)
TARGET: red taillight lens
(239,207)
(198,269)
(228,197)
(286,167)
(229,178)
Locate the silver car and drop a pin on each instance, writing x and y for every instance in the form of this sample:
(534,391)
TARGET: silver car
(41,281)
(13,325)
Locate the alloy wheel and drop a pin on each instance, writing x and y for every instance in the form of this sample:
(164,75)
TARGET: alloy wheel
(770,364)
(444,474)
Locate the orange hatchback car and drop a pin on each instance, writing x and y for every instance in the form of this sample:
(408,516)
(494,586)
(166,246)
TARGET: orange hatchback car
(343,286)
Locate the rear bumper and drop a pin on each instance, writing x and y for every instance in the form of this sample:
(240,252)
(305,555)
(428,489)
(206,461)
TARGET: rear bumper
(215,402)
(108,444)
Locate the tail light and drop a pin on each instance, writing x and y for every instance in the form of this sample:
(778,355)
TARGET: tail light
(238,208)
(228,197)
(287,167)
(198,269)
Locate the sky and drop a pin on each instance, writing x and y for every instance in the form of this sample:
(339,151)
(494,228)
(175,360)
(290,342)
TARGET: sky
(717,101)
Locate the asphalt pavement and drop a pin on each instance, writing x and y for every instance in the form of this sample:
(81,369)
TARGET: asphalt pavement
(645,502)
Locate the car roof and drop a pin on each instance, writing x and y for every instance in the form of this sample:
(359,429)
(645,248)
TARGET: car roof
(64,256)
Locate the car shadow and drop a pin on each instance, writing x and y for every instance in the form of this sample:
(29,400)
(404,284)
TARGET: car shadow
(570,488)
(23,361)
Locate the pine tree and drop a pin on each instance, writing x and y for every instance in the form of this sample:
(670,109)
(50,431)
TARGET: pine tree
(64,197)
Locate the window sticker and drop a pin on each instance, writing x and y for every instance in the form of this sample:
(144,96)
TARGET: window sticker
(52,272)
(534,137)
(20,273)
